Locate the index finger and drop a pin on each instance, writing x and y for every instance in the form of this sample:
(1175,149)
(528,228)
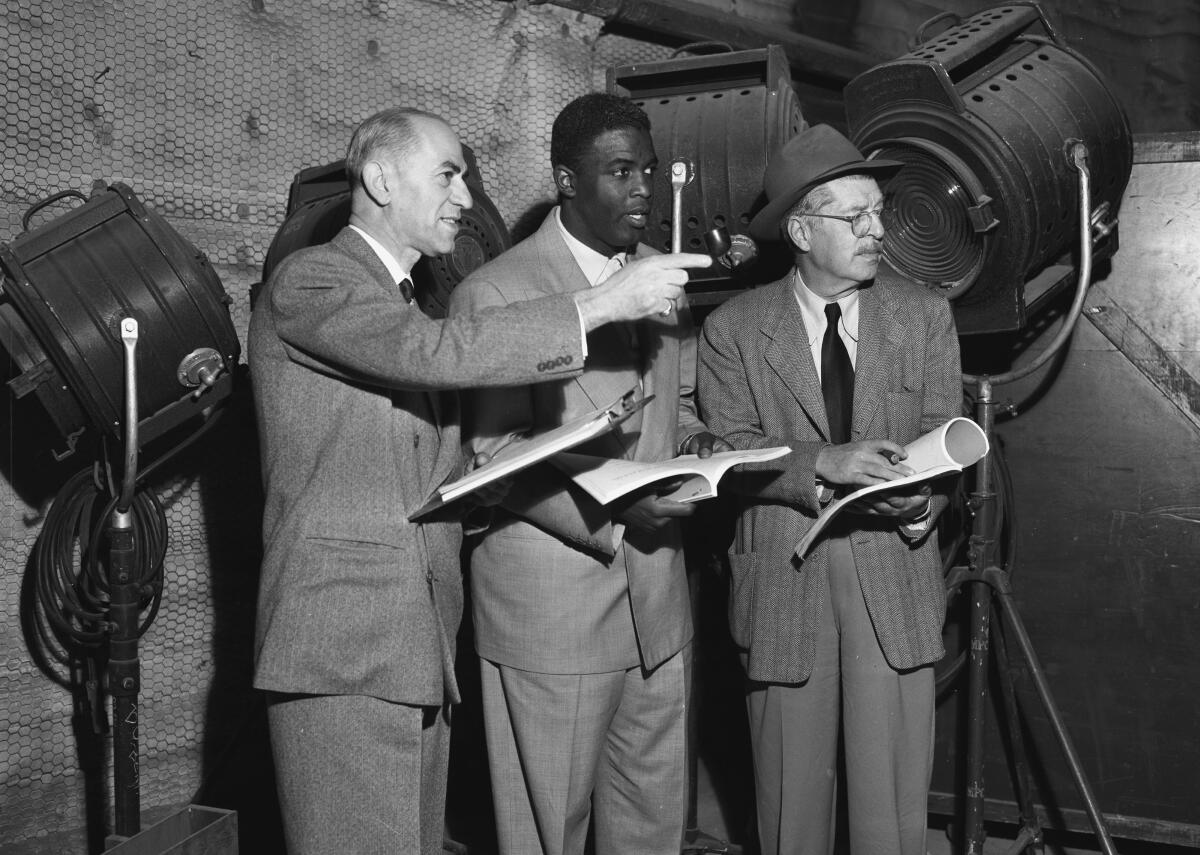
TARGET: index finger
(681,260)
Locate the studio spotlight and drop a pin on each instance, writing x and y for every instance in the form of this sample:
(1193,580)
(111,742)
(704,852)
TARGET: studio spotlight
(723,114)
(118,324)
(319,207)
(984,117)
(67,286)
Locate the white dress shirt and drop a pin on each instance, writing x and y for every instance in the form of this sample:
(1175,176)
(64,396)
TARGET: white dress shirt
(596,266)
(397,272)
(812,310)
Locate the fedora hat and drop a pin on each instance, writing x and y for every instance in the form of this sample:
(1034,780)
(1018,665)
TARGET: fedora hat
(815,155)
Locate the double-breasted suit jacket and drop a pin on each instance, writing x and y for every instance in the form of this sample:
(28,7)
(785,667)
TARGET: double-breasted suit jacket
(758,387)
(550,591)
(354,598)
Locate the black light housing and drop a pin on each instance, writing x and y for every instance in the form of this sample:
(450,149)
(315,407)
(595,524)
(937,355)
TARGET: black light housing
(724,113)
(69,283)
(984,117)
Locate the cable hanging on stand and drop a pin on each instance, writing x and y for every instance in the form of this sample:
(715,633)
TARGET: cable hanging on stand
(118,325)
(988,580)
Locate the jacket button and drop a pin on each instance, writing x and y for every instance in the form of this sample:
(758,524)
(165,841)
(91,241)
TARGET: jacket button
(416,440)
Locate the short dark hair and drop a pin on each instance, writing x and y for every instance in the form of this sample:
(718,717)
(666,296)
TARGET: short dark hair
(391,131)
(587,117)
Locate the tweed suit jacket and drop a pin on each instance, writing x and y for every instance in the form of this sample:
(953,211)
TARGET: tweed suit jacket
(550,593)
(758,387)
(354,598)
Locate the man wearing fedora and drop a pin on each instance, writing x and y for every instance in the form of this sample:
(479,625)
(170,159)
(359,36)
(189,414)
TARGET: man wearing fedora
(844,361)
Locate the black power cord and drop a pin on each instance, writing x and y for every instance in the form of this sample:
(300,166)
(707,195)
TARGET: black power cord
(72,585)
(71,575)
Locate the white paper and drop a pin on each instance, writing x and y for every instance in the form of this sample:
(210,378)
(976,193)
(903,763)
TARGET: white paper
(521,455)
(606,479)
(947,449)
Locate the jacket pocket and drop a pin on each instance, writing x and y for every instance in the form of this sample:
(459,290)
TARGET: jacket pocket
(350,571)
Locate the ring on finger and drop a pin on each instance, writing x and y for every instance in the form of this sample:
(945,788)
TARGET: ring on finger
(670,306)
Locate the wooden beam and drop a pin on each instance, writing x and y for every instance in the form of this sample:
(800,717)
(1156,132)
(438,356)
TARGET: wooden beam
(1177,147)
(696,22)
(1156,364)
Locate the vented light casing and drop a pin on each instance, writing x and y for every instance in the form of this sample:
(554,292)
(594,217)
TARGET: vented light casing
(68,284)
(983,116)
(726,113)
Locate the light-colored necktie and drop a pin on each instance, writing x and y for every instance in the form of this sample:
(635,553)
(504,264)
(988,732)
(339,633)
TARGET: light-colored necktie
(610,267)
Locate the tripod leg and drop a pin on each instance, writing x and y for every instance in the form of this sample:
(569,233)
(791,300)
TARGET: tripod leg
(977,687)
(1031,829)
(694,839)
(1009,614)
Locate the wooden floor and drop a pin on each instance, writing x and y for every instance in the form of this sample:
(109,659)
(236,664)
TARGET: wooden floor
(712,828)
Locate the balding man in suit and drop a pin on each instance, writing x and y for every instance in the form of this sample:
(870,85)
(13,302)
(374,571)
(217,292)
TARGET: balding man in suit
(358,606)
(845,362)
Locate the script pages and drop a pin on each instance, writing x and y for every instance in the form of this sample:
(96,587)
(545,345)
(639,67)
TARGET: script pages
(606,479)
(947,449)
(522,455)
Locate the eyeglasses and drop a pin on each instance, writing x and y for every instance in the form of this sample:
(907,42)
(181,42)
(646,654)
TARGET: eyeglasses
(860,223)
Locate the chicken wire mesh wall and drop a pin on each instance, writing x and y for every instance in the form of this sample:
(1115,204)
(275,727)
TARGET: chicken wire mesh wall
(206,111)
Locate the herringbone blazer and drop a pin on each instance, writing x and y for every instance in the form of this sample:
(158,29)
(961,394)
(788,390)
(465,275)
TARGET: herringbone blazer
(758,387)
(354,598)
(549,592)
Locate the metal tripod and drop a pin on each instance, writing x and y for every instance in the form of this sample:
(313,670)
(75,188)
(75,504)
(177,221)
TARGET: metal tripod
(989,587)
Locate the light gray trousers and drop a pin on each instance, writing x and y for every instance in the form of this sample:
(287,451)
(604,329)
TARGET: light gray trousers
(569,749)
(887,718)
(358,775)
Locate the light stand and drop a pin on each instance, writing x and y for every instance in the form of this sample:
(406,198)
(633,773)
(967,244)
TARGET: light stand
(118,325)
(682,172)
(124,672)
(989,587)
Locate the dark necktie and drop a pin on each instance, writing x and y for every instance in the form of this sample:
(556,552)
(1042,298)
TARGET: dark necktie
(837,378)
(406,289)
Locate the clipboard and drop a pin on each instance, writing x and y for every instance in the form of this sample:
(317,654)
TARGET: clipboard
(522,455)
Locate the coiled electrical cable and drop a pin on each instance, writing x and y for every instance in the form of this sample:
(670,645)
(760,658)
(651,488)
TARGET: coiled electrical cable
(71,579)
(69,557)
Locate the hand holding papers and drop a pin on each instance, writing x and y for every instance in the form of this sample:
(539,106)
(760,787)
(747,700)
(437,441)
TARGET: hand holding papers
(522,455)
(605,480)
(948,449)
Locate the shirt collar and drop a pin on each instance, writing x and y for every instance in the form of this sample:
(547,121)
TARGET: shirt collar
(397,272)
(592,263)
(812,309)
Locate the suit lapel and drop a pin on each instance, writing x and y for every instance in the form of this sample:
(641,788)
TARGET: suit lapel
(788,355)
(879,339)
(561,275)
(353,244)
(658,359)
